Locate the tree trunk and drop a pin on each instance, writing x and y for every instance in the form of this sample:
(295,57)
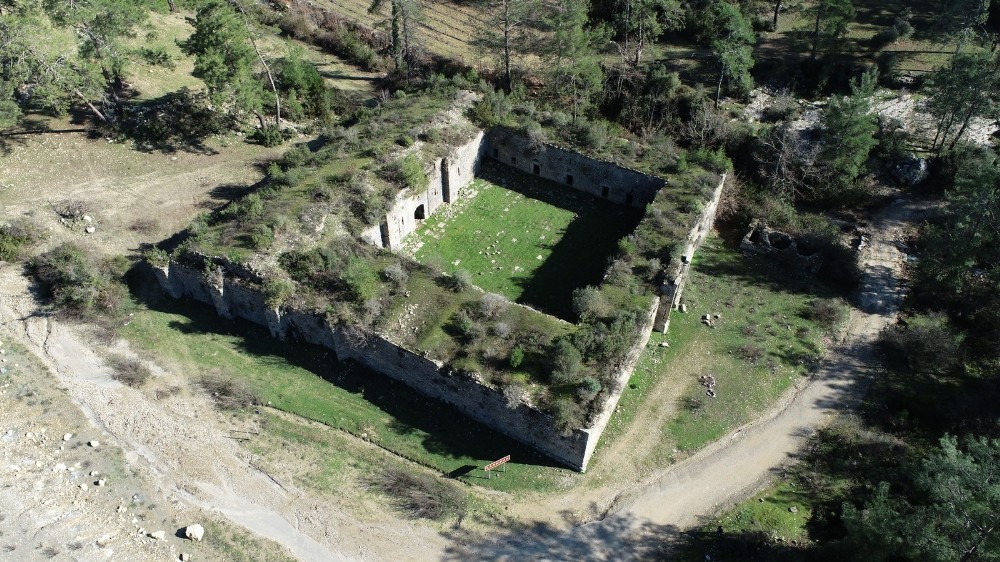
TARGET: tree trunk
(777,10)
(718,89)
(815,45)
(397,41)
(173,6)
(267,69)
(92,107)
(508,81)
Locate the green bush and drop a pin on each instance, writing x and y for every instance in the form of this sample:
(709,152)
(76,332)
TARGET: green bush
(15,238)
(79,284)
(361,280)
(516,357)
(828,313)
(268,136)
(566,362)
(129,371)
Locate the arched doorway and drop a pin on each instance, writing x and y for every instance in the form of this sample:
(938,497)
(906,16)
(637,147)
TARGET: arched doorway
(418,213)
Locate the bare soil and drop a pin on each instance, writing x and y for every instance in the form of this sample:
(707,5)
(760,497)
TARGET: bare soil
(181,452)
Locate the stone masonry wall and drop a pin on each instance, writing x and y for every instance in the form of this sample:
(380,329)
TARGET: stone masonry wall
(573,170)
(536,429)
(680,268)
(445,177)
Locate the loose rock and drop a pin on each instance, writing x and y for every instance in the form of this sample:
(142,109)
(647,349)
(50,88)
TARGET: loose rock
(194,532)
(95,444)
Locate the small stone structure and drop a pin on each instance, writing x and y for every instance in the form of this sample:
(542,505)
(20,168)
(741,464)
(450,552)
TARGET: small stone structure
(765,241)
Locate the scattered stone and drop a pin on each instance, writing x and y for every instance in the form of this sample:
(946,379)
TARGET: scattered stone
(100,483)
(88,218)
(664,344)
(84,486)
(184,557)
(94,473)
(67,436)
(90,229)
(158,535)
(121,509)
(683,308)
(59,467)
(104,541)
(793,509)
(194,532)
(94,443)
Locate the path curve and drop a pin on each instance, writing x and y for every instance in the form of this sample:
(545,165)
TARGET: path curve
(740,464)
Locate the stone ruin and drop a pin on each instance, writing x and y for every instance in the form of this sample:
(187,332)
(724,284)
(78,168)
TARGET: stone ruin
(765,241)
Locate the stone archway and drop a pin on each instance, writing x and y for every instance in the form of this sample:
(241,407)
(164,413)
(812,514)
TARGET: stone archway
(419,213)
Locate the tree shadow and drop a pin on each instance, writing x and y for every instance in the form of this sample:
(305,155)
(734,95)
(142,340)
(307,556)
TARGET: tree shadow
(616,538)
(176,121)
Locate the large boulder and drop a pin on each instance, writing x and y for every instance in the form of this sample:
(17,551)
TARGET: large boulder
(910,171)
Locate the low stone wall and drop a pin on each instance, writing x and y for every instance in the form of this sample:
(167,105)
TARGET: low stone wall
(680,268)
(232,298)
(573,170)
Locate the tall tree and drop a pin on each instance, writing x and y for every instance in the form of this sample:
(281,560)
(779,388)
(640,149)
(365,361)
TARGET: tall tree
(504,33)
(404,18)
(226,58)
(849,128)
(960,20)
(953,516)
(733,47)
(641,22)
(966,89)
(831,18)
(572,54)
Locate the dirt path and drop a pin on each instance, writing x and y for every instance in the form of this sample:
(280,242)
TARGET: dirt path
(737,466)
(168,434)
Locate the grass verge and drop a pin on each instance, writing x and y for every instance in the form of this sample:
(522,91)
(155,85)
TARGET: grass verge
(309,382)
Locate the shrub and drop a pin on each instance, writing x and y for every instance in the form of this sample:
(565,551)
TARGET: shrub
(268,136)
(261,237)
(79,284)
(461,281)
(782,109)
(229,393)
(420,495)
(396,274)
(924,344)
(589,303)
(277,291)
(492,305)
(516,357)
(15,238)
(128,370)
(361,280)
(828,313)
(566,362)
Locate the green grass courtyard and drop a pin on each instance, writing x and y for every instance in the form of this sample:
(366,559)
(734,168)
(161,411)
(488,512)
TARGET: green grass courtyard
(528,239)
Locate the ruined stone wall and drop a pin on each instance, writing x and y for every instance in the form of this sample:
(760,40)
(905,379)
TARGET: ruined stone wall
(680,267)
(574,170)
(445,177)
(232,299)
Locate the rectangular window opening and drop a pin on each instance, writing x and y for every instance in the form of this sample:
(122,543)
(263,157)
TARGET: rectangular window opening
(569,179)
(604,191)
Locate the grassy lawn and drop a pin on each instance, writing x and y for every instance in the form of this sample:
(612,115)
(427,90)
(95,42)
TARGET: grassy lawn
(309,382)
(761,308)
(530,240)
(761,344)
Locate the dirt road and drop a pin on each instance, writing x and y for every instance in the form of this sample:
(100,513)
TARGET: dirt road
(737,466)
